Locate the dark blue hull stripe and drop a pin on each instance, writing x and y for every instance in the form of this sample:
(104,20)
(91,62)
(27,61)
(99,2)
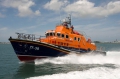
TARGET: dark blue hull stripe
(40,44)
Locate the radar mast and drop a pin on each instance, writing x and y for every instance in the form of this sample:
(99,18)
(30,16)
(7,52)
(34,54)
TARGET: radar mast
(67,20)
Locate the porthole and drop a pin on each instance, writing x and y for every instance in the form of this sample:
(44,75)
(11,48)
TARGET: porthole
(62,35)
(58,34)
(67,36)
(74,38)
(78,39)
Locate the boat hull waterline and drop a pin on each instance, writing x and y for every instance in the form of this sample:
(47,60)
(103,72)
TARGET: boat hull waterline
(27,50)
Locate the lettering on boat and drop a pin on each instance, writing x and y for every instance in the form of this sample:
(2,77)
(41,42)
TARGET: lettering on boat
(33,47)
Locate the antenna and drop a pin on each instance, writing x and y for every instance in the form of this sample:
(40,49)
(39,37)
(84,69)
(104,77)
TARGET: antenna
(69,19)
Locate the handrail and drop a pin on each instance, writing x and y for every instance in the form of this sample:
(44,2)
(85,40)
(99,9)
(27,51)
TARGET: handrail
(32,37)
(100,48)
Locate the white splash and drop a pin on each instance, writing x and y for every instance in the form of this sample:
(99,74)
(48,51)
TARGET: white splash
(113,57)
(93,73)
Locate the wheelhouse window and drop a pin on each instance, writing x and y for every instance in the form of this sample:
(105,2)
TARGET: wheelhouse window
(78,39)
(67,36)
(62,35)
(51,34)
(47,34)
(58,34)
(75,38)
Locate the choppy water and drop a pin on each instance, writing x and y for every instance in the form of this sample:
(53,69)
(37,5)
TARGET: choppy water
(67,67)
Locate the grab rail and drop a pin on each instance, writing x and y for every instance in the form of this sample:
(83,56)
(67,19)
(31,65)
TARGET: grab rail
(32,37)
(100,48)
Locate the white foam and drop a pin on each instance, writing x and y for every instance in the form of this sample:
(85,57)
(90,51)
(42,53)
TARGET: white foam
(94,73)
(112,57)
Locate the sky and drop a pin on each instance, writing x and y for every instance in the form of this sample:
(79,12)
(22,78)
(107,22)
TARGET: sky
(98,19)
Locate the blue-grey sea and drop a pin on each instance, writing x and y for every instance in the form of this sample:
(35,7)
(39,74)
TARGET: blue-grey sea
(68,67)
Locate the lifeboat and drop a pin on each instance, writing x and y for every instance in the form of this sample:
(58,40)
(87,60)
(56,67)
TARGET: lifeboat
(61,41)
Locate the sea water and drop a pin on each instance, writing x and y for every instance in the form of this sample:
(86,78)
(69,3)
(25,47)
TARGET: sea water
(68,67)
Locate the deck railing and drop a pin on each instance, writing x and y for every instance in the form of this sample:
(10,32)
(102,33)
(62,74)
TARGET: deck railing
(32,37)
(100,48)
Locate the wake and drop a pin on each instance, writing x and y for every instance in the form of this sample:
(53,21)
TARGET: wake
(93,73)
(112,57)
